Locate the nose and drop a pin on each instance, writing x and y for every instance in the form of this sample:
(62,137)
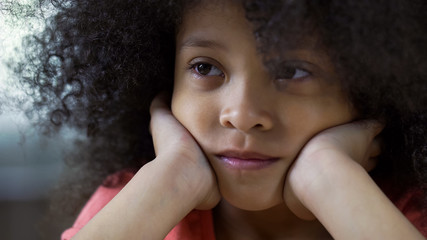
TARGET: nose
(246,110)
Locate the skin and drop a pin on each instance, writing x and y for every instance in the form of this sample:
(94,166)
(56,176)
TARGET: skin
(230,105)
(238,106)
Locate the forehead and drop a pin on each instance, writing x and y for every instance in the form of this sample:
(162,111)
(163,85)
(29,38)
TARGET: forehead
(218,24)
(205,20)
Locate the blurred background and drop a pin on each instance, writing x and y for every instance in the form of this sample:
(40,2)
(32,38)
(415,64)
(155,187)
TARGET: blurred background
(30,163)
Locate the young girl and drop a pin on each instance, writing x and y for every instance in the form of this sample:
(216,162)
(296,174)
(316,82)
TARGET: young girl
(273,119)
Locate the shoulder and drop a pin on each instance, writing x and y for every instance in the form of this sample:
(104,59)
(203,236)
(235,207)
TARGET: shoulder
(103,194)
(196,225)
(411,204)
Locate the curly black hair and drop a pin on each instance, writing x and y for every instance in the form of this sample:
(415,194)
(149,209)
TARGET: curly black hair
(98,64)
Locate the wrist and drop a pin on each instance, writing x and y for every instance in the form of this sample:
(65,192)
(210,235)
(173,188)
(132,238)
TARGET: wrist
(345,199)
(189,176)
(319,174)
(148,207)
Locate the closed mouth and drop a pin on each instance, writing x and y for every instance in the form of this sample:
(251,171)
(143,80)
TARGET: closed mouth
(245,160)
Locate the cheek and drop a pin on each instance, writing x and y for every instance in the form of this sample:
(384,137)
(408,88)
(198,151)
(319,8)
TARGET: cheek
(306,119)
(334,115)
(196,114)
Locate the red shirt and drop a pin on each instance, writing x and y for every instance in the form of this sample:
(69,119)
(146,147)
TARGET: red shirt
(199,224)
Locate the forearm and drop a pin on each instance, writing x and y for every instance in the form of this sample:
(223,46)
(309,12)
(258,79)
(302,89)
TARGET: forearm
(348,202)
(148,207)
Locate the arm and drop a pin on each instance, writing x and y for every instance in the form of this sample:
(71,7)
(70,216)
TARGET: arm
(163,191)
(350,205)
(330,180)
(148,207)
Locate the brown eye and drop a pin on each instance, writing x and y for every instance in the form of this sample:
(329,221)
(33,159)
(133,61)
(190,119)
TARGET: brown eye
(293,73)
(288,72)
(207,69)
(203,68)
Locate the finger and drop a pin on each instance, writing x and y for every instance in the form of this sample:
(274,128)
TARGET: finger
(370,164)
(372,155)
(365,134)
(355,139)
(372,127)
(375,148)
(158,106)
(160,102)
(162,123)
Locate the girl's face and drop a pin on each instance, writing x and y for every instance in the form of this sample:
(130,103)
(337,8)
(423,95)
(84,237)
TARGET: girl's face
(250,126)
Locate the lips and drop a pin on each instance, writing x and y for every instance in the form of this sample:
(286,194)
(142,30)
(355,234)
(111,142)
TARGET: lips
(244,160)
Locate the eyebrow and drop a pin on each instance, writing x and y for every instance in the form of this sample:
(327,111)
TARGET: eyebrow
(201,42)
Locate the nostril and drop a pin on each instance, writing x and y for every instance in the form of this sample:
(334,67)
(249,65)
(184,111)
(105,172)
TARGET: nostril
(228,124)
(245,120)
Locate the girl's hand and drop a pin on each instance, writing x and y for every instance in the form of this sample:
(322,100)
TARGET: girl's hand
(329,181)
(176,146)
(356,141)
(163,191)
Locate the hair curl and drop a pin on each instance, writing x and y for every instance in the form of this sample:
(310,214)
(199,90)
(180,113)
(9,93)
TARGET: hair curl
(98,64)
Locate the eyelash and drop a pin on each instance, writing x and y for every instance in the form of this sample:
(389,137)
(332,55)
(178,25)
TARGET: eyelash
(194,67)
(290,69)
(298,73)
